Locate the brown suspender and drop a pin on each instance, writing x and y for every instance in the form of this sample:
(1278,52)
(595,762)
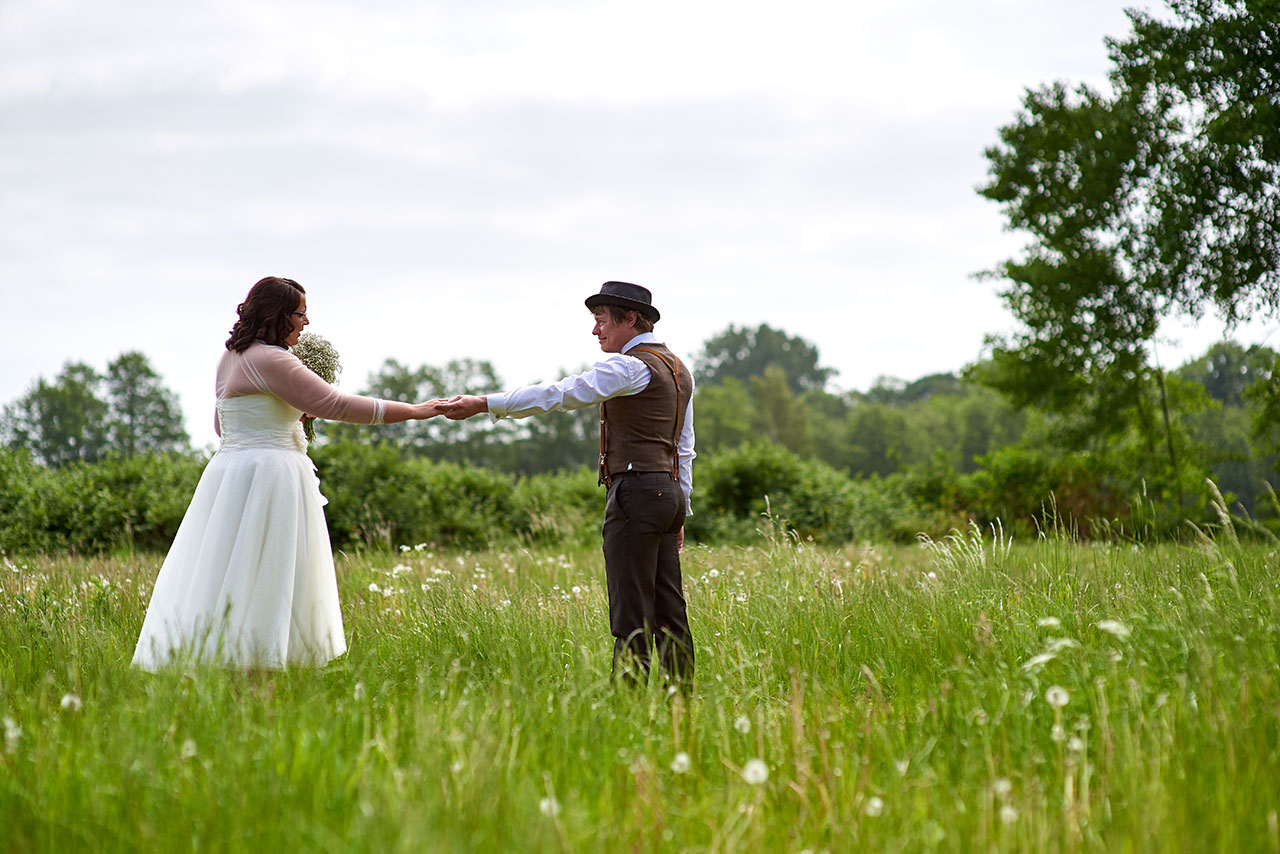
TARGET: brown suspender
(604,477)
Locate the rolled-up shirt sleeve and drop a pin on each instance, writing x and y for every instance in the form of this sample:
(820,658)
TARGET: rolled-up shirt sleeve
(297,385)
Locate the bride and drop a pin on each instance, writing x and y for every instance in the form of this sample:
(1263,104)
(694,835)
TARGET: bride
(249,580)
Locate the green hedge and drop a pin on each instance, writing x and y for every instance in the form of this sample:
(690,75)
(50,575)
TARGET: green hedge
(380,498)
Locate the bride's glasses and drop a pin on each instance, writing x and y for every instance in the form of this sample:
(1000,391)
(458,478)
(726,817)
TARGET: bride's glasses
(301,314)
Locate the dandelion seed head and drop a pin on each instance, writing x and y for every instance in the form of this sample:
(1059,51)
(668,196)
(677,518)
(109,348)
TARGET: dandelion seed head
(1002,786)
(1076,744)
(1008,814)
(874,807)
(755,772)
(742,724)
(549,807)
(681,764)
(1057,696)
(71,702)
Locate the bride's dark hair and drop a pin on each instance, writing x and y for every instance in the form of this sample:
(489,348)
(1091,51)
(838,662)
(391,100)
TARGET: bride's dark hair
(266,313)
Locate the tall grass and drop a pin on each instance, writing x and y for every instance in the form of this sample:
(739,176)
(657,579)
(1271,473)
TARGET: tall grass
(899,699)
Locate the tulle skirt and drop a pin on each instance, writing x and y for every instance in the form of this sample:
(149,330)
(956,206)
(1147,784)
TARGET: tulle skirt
(249,581)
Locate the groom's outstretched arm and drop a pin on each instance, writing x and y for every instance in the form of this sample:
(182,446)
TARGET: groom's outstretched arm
(463,406)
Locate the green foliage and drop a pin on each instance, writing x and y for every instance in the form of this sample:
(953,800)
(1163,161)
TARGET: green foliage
(737,488)
(742,354)
(113,504)
(380,496)
(82,416)
(143,414)
(60,422)
(1157,197)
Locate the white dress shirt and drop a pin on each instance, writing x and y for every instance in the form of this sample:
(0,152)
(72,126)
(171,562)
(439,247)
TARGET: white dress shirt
(616,375)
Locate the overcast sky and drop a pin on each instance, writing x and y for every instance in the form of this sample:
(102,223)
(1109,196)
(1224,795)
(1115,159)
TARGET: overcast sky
(451,180)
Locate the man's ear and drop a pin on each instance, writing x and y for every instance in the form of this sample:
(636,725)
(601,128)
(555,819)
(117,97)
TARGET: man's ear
(632,317)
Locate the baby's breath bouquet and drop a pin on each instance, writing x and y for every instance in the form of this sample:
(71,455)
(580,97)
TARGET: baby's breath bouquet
(317,354)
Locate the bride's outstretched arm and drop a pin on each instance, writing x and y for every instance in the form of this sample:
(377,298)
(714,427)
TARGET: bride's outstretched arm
(397,411)
(293,382)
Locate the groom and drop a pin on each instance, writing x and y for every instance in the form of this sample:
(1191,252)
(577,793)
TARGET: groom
(646,461)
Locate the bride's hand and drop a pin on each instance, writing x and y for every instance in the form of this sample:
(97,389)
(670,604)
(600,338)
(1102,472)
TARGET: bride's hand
(430,409)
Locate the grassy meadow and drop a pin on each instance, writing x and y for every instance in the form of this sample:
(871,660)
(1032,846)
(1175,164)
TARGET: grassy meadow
(968,694)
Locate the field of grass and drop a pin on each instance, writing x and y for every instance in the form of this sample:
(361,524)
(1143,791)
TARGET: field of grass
(964,695)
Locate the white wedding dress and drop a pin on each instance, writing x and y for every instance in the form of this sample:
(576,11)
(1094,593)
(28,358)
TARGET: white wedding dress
(249,581)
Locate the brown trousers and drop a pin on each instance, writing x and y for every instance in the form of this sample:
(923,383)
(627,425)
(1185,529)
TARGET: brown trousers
(643,515)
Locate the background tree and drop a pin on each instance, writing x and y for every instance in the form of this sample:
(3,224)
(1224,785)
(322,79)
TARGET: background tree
(63,421)
(1160,197)
(744,353)
(143,415)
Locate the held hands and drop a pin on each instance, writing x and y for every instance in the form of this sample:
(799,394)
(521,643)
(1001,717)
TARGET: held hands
(463,406)
(430,409)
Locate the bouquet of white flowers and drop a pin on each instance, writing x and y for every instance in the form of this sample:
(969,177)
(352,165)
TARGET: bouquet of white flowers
(318,355)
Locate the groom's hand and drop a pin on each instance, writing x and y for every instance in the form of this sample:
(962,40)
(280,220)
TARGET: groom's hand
(464,406)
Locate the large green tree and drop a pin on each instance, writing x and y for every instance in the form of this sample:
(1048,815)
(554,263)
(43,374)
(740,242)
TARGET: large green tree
(62,421)
(743,353)
(1158,197)
(82,415)
(144,415)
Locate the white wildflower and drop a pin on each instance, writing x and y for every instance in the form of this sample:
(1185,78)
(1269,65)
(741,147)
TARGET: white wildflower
(549,807)
(373,587)
(1076,744)
(12,735)
(1057,696)
(755,771)
(1002,786)
(742,724)
(1114,627)
(874,806)
(71,702)
(1008,815)
(1058,734)
(1037,660)
(188,749)
(681,764)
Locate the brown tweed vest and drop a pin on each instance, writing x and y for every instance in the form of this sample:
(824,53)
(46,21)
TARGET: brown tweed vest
(640,432)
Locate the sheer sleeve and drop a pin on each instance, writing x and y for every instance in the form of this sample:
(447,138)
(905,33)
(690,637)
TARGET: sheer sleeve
(275,370)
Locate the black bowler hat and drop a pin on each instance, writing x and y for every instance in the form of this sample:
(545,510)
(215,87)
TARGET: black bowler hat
(626,295)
